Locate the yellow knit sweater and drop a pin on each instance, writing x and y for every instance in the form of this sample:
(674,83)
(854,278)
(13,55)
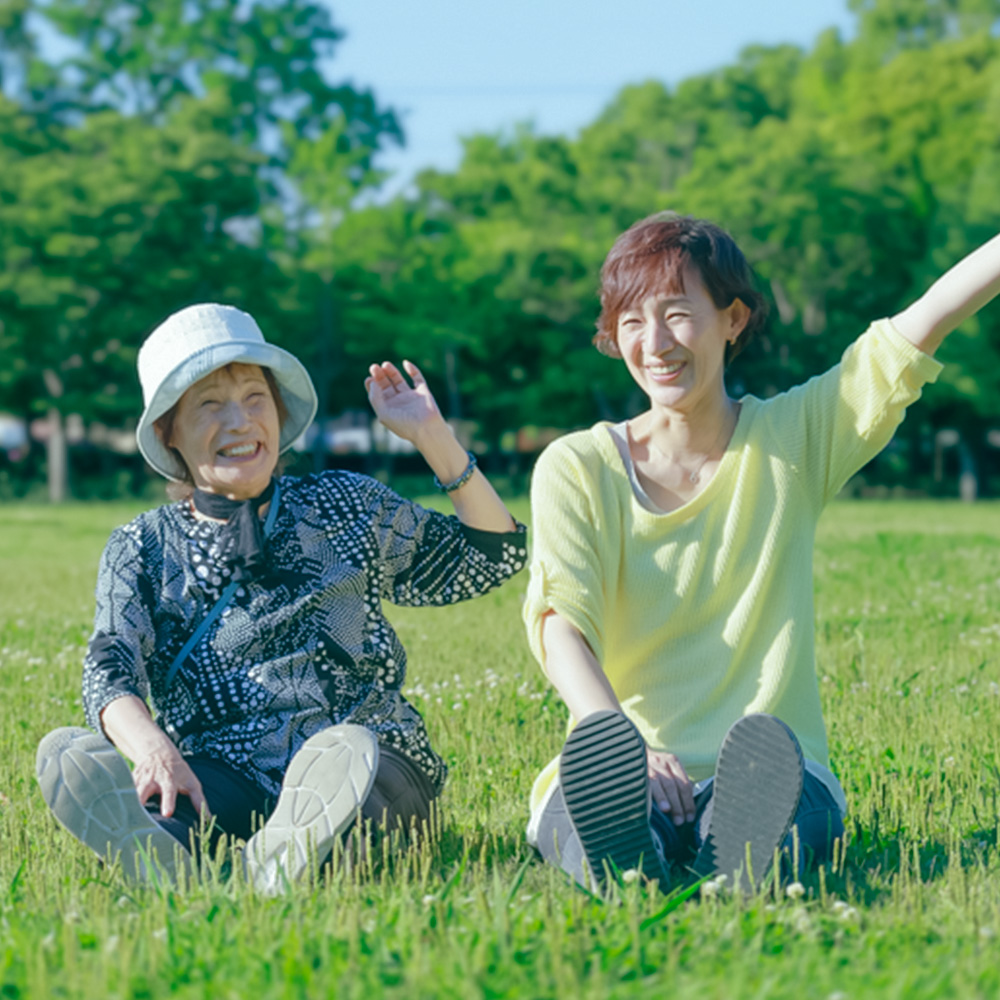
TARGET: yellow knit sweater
(704,614)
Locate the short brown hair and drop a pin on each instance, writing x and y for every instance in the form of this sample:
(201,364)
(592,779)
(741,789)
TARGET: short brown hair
(165,428)
(653,253)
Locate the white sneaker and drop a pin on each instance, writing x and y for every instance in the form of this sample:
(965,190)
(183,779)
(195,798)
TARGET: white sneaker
(326,783)
(89,789)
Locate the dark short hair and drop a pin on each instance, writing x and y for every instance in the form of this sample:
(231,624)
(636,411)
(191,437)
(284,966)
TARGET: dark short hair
(165,428)
(652,255)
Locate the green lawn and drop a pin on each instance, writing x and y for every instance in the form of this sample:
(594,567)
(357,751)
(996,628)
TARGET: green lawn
(909,659)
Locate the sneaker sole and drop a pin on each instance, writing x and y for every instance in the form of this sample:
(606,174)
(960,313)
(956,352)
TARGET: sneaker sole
(758,784)
(603,773)
(326,783)
(89,789)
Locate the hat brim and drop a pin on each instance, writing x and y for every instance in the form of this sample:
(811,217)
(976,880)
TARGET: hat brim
(293,381)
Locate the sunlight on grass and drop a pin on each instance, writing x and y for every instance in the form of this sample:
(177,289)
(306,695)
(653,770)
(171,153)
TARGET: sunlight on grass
(908,645)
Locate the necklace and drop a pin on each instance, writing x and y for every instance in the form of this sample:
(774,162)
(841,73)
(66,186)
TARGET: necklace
(694,475)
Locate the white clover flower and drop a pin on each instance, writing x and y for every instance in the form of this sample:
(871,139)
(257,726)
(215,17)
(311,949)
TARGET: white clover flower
(630,875)
(711,888)
(429,899)
(795,890)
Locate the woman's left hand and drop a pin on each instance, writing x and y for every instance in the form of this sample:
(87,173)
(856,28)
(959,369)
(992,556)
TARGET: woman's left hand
(406,410)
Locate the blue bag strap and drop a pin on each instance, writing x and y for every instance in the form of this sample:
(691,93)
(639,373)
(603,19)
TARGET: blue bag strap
(220,605)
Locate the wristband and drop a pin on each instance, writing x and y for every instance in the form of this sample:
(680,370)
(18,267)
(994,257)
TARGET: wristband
(456,484)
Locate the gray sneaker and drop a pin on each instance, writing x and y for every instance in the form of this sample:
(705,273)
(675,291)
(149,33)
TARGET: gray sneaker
(89,789)
(325,785)
(758,784)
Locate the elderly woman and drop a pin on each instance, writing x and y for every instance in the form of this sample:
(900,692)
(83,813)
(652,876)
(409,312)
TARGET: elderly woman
(670,600)
(248,616)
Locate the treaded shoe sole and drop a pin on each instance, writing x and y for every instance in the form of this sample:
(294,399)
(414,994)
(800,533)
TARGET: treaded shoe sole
(603,773)
(325,784)
(758,784)
(90,791)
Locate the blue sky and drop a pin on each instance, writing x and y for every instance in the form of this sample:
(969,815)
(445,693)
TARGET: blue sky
(456,67)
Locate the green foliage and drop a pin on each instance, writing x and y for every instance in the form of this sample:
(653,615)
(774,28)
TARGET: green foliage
(852,174)
(850,181)
(107,227)
(907,656)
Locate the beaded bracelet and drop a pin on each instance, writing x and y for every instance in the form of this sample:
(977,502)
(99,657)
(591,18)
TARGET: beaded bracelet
(462,479)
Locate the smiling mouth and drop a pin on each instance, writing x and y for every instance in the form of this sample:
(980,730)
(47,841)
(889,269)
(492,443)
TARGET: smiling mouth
(665,368)
(240,450)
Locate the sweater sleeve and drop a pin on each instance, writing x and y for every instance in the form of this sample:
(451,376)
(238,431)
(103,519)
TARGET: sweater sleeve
(123,638)
(837,422)
(429,558)
(567,575)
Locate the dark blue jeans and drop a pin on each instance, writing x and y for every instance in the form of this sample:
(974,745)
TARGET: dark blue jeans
(401,794)
(817,820)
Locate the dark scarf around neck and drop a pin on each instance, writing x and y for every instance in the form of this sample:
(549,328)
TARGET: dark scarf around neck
(242,539)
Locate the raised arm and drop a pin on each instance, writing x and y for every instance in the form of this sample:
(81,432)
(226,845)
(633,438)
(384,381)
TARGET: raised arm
(412,413)
(954,297)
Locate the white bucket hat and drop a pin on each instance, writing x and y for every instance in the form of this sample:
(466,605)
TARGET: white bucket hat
(195,342)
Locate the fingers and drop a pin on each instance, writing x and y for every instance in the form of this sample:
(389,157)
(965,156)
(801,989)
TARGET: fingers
(197,796)
(414,372)
(168,798)
(144,787)
(667,797)
(671,787)
(387,376)
(686,792)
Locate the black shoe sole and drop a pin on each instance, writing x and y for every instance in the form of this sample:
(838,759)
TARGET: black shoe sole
(603,773)
(758,784)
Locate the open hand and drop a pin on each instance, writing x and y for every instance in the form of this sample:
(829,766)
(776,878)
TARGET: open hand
(670,786)
(404,409)
(167,774)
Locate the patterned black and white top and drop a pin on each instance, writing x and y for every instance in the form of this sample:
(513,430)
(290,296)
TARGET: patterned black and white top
(306,646)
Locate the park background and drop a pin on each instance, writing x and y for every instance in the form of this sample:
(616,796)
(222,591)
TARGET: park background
(156,155)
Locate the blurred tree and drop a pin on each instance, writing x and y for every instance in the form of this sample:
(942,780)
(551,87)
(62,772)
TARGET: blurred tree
(261,59)
(104,229)
(192,146)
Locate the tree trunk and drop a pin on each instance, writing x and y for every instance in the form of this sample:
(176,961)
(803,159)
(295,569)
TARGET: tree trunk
(968,478)
(55,449)
(451,381)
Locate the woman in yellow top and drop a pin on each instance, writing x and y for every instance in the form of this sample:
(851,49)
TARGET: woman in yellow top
(670,600)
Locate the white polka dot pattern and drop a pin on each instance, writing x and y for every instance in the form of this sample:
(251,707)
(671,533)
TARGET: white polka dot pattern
(304,647)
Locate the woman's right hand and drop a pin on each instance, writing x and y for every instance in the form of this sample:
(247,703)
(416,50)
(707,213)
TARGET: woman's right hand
(166,773)
(159,767)
(671,787)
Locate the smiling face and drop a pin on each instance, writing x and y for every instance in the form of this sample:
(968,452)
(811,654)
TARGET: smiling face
(227,431)
(674,343)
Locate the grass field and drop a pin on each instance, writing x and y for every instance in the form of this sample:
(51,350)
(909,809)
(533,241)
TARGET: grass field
(909,660)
